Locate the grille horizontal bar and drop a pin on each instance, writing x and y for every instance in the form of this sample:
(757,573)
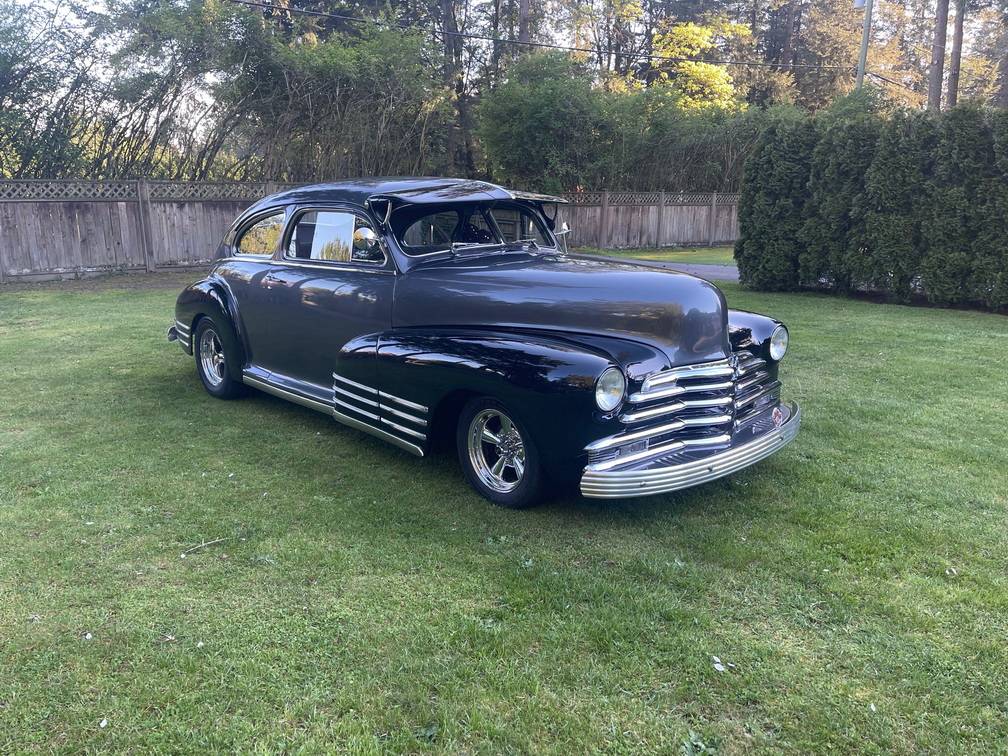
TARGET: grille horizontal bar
(689,405)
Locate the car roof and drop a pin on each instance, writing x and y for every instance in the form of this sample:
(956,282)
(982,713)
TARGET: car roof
(415,190)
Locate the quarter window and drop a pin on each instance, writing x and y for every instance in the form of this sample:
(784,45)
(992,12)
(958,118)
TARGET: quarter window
(262,237)
(326,235)
(515,223)
(432,230)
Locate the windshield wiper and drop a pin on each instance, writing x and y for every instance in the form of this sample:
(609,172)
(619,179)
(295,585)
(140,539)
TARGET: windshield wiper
(457,246)
(523,242)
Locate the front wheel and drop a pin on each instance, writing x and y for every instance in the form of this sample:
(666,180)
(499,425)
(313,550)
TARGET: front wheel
(497,455)
(216,361)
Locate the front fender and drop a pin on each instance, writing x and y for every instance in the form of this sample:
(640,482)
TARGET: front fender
(751,331)
(548,383)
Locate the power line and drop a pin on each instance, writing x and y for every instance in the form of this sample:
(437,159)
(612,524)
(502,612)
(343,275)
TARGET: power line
(540,45)
(890,81)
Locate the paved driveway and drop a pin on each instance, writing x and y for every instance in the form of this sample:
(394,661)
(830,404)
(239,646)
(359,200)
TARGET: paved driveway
(710,272)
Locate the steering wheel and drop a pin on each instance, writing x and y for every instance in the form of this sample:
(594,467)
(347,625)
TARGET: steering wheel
(475,235)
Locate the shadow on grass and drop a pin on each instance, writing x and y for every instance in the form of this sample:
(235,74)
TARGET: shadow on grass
(277,426)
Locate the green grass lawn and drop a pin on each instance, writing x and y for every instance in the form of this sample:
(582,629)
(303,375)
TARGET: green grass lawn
(697,256)
(854,586)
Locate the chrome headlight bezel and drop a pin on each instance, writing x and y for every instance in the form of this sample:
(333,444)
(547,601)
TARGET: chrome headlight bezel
(610,389)
(778,344)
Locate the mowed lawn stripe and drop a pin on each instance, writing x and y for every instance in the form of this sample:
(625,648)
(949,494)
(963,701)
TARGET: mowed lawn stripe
(364,600)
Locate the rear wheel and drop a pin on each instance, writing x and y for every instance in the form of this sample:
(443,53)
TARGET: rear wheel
(216,359)
(497,455)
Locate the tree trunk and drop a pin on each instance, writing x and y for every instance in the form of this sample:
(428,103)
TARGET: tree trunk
(957,40)
(1001,96)
(787,53)
(938,57)
(523,25)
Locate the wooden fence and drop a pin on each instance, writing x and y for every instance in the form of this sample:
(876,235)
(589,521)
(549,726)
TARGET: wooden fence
(651,219)
(59,229)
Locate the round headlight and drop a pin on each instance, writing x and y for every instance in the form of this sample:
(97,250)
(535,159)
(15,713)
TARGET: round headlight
(609,389)
(778,343)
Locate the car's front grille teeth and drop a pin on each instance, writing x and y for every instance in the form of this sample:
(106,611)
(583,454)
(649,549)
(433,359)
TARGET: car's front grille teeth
(689,407)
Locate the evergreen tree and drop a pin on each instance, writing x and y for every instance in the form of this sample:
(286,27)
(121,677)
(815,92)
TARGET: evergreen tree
(834,230)
(772,204)
(894,204)
(964,165)
(989,278)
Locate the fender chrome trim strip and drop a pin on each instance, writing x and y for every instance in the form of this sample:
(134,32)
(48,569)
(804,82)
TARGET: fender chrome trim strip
(619,484)
(403,402)
(360,425)
(379,433)
(404,415)
(358,410)
(352,395)
(404,429)
(356,385)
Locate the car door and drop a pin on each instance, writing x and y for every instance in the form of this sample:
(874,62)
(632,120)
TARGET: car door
(323,294)
(246,272)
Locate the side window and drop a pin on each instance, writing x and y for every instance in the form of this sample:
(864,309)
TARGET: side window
(262,237)
(326,235)
(517,223)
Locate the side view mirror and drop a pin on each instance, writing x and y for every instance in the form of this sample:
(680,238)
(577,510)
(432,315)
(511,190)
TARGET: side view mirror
(561,235)
(366,245)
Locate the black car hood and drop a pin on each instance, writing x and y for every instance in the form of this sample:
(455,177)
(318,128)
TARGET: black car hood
(684,316)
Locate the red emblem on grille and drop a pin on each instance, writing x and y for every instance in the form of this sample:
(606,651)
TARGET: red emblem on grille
(778,417)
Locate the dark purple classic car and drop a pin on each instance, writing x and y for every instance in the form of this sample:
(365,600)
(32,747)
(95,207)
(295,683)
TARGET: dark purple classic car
(425,309)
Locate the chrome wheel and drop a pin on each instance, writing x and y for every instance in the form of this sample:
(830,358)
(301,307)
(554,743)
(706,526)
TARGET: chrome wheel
(211,355)
(496,451)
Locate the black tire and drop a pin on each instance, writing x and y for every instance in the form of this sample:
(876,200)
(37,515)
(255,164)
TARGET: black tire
(517,489)
(222,381)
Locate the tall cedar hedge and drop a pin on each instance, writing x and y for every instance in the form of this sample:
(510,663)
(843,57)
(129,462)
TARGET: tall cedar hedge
(906,204)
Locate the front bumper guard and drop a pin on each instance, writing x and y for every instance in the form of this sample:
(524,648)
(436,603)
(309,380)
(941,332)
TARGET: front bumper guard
(620,484)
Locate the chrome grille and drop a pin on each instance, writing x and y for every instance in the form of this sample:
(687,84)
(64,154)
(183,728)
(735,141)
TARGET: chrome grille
(688,407)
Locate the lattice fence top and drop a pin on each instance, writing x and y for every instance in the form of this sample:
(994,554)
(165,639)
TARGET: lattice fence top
(56,191)
(624,199)
(584,198)
(68,190)
(207,190)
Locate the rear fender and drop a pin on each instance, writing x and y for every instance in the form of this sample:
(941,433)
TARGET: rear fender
(211,297)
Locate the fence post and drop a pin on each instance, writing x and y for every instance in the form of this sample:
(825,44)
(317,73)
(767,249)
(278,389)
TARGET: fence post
(146,236)
(712,220)
(604,220)
(3,265)
(661,213)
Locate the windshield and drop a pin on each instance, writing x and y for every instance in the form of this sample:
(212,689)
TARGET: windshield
(457,226)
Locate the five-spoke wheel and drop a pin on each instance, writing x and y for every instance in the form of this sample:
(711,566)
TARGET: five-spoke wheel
(497,454)
(216,360)
(496,450)
(211,354)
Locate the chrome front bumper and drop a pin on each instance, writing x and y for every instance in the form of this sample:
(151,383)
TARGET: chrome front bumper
(619,484)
